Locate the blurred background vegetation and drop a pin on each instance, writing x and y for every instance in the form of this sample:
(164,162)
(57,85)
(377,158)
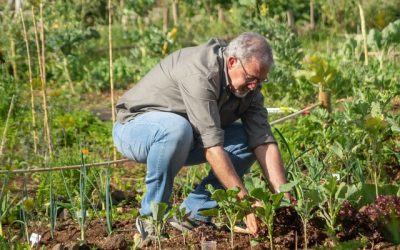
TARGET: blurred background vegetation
(316,42)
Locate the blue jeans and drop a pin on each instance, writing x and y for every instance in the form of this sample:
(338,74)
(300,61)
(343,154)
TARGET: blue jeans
(165,142)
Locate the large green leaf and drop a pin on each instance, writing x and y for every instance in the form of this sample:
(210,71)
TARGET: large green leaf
(260,194)
(374,39)
(391,33)
(288,186)
(209,212)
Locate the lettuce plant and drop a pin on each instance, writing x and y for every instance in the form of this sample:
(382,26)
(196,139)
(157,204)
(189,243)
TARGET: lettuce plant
(385,211)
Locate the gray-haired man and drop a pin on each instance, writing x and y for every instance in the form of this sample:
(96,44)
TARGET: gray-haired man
(185,111)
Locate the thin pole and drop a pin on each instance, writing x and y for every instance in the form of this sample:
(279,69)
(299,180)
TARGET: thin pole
(35,136)
(111,68)
(44,87)
(300,112)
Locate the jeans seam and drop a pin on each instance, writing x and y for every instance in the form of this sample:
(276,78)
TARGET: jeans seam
(159,160)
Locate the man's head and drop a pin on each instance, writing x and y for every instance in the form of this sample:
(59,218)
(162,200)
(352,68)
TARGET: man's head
(249,59)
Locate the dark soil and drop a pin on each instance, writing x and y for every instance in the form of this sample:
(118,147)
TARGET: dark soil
(288,234)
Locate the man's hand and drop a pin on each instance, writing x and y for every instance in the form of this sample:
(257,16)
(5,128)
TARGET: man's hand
(252,223)
(291,198)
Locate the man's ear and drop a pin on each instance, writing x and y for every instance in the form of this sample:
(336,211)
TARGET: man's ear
(231,62)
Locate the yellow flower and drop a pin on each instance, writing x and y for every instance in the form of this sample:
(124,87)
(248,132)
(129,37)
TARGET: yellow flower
(263,9)
(172,33)
(85,151)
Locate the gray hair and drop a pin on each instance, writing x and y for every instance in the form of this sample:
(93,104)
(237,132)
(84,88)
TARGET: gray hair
(248,45)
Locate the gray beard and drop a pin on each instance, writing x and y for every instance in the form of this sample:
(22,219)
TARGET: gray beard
(241,95)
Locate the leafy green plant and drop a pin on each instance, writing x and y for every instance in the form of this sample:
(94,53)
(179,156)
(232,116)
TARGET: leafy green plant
(159,217)
(270,202)
(230,207)
(108,202)
(318,71)
(308,200)
(384,41)
(332,195)
(180,215)
(82,195)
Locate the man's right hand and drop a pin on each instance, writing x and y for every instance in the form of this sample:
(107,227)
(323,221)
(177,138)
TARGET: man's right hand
(252,223)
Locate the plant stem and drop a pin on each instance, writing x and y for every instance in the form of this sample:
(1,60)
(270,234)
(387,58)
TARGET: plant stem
(68,76)
(108,203)
(5,182)
(3,139)
(82,192)
(35,136)
(364,34)
(24,219)
(305,221)
(52,206)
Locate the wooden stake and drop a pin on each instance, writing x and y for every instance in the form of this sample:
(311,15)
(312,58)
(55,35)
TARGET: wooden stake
(364,34)
(42,71)
(44,85)
(175,12)
(111,68)
(165,16)
(312,19)
(35,136)
(324,98)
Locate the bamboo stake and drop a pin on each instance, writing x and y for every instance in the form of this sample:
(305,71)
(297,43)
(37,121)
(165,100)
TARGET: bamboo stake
(35,136)
(364,33)
(44,87)
(175,12)
(111,68)
(3,139)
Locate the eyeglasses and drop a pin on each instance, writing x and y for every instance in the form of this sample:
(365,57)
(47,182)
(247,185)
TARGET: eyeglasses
(250,78)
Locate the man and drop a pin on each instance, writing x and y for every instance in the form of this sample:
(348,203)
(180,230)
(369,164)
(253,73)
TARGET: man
(185,112)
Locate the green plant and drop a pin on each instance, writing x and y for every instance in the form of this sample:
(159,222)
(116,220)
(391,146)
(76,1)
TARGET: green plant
(308,200)
(270,202)
(385,41)
(180,215)
(82,195)
(332,195)
(230,207)
(160,215)
(318,71)
(108,202)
